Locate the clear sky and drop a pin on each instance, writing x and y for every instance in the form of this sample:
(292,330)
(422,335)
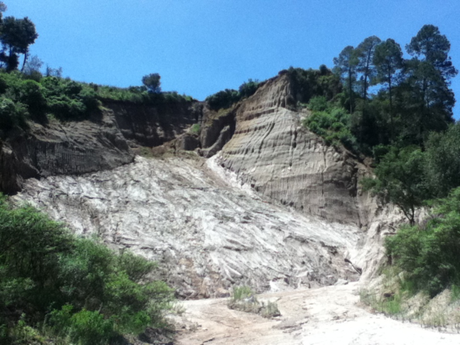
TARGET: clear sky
(200,47)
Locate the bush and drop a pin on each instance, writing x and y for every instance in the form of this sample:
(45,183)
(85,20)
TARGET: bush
(331,124)
(430,254)
(31,93)
(195,129)
(12,114)
(244,299)
(89,292)
(318,103)
(223,99)
(248,88)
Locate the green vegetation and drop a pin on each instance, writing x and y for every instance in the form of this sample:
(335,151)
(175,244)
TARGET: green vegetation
(399,112)
(35,97)
(244,299)
(16,35)
(314,83)
(226,98)
(429,253)
(332,124)
(73,289)
(152,82)
(195,129)
(390,100)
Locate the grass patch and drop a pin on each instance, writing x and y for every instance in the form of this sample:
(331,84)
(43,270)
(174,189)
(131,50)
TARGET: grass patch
(244,299)
(195,129)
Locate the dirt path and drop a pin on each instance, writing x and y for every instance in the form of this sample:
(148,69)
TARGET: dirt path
(329,315)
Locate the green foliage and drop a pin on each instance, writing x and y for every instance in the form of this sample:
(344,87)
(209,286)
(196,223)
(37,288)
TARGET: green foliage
(16,36)
(318,103)
(400,180)
(195,129)
(443,161)
(12,114)
(241,292)
(152,82)
(86,291)
(365,53)
(244,299)
(84,327)
(310,83)
(223,99)
(226,98)
(429,254)
(333,125)
(248,88)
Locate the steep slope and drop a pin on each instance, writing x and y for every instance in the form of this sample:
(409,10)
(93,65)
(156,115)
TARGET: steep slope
(206,233)
(61,148)
(102,142)
(282,160)
(301,215)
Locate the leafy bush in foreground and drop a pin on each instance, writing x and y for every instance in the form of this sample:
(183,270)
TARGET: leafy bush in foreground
(79,288)
(430,254)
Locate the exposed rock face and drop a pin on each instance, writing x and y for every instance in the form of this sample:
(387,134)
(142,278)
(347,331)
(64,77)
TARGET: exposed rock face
(154,125)
(282,160)
(206,232)
(62,148)
(100,143)
(301,213)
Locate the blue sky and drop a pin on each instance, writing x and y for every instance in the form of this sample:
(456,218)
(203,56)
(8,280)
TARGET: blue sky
(200,47)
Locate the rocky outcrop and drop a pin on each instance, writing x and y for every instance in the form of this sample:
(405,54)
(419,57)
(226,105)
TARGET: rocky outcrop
(207,233)
(279,158)
(62,149)
(275,205)
(100,143)
(153,125)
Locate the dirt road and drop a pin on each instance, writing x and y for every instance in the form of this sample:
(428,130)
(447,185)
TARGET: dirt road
(329,315)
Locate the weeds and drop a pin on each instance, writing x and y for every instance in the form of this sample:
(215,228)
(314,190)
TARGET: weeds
(244,299)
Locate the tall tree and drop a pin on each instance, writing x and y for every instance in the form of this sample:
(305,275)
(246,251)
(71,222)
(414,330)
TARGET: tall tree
(2,9)
(427,82)
(400,180)
(16,36)
(365,53)
(345,67)
(388,60)
(429,45)
(152,82)
(443,161)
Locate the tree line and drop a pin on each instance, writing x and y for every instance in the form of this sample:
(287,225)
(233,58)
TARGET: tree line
(410,97)
(398,111)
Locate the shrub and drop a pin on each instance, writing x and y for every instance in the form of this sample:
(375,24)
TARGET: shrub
(331,124)
(195,129)
(248,88)
(12,114)
(318,103)
(430,254)
(32,94)
(244,299)
(90,292)
(223,99)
